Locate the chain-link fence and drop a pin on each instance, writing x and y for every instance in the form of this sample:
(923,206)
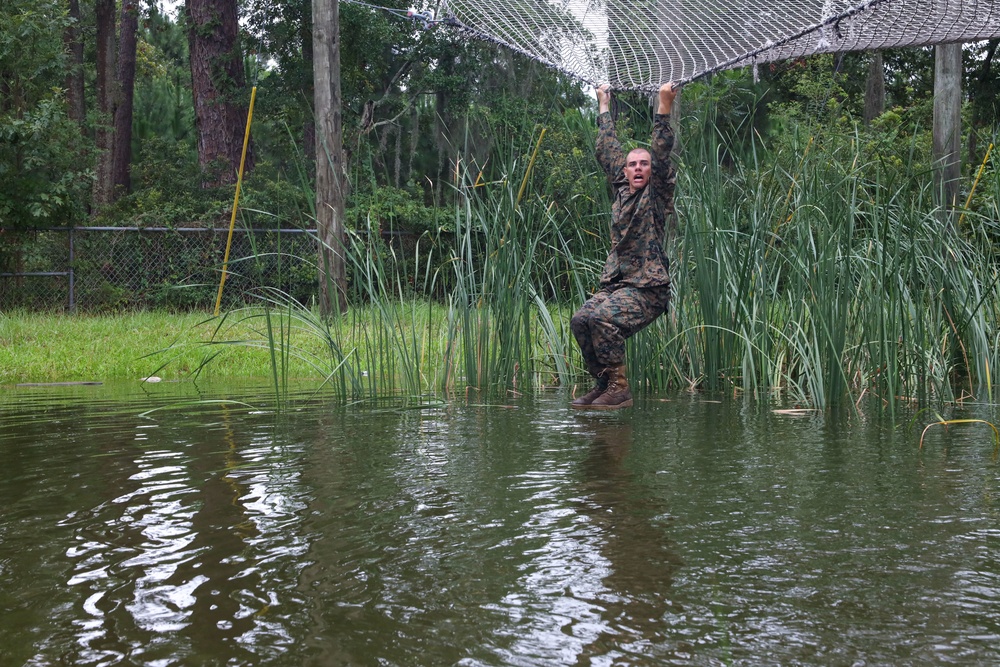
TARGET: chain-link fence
(109,268)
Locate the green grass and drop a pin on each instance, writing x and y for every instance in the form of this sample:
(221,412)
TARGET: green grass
(40,347)
(389,347)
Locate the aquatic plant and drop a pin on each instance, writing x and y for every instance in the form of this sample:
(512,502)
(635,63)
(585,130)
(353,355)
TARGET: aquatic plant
(948,422)
(813,273)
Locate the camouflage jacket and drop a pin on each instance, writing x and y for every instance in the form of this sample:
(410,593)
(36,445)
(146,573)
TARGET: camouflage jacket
(638,219)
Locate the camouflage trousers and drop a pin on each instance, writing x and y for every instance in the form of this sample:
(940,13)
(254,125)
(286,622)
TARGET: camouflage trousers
(614,314)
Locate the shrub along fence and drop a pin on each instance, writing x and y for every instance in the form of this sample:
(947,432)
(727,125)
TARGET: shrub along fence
(95,269)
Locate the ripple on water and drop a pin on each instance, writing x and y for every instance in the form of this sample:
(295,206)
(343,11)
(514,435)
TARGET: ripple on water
(478,536)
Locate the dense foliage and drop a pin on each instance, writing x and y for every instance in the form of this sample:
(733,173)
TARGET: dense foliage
(44,166)
(417,102)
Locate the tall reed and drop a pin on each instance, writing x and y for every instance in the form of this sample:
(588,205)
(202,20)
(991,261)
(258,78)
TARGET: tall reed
(813,273)
(825,277)
(492,330)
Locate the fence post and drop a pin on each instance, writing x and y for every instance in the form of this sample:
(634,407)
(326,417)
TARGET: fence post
(72,278)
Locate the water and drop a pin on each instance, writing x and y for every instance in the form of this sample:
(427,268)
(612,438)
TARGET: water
(680,532)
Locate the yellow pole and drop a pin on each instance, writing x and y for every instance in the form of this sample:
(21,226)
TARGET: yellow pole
(531,163)
(974,184)
(236,199)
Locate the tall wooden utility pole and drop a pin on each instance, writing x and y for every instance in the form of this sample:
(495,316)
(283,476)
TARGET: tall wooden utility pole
(947,123)
(330,190)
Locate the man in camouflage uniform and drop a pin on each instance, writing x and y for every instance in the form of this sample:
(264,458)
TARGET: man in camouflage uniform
(635,284)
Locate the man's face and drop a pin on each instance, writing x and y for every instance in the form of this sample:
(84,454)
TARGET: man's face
(637,168)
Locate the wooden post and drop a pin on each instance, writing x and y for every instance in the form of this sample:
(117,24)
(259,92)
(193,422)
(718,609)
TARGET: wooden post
(947,123)
(330,191)
(875,89)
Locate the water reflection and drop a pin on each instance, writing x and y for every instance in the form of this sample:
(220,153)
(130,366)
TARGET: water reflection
(528,534)
(597,586)
(636,589)
(177,561)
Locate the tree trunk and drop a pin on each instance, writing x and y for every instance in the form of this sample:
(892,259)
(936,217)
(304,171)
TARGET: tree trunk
(218,89)
(124,96)
(414,139)
(398,163)
(103,132)
(329,156)
(980,86)
(308,125)
(875,89)
(446,131)
(947,122)
(74,78)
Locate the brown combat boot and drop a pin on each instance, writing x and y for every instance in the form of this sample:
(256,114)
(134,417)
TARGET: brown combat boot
(617,395)
(584,401)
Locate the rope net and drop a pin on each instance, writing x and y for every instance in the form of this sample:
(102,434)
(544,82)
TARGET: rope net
(638,45)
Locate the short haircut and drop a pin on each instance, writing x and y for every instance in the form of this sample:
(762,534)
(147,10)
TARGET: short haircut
(640,149)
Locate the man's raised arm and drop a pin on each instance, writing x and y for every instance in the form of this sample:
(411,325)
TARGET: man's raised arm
(668,92)
(609,150)
(662,142)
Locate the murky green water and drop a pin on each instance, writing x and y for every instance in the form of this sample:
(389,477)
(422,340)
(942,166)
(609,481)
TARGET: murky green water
(685,532)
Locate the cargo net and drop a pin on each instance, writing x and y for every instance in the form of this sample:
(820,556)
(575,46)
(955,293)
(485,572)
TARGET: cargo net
(639,44)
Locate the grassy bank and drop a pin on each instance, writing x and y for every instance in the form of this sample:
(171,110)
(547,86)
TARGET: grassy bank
(387,347)
(42,347)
